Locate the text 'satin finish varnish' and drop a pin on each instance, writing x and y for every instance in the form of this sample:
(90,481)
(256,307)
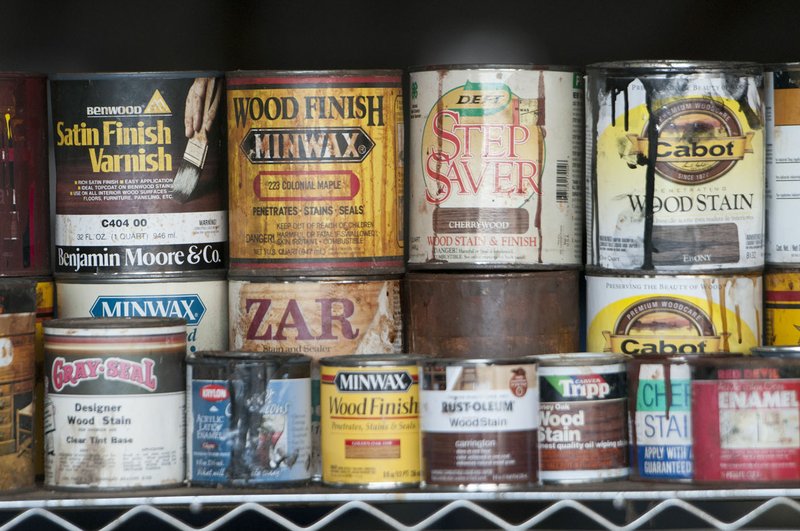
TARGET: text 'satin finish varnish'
(781,306)
(675,166)
(496,167)
(673,314)
(316,172)
(370,421)
(115,404)
(248,418)
(138,191)
(583,430)
(479,421)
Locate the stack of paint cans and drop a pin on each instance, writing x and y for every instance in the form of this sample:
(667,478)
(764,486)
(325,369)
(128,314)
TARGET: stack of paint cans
(316,211)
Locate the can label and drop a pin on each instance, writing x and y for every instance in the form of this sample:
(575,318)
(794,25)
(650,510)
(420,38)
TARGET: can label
(697,142)
(782,308)
(479,424)
(316,176)
(127,198)
(673,315)
(583,433)
(481,189)
(370,425)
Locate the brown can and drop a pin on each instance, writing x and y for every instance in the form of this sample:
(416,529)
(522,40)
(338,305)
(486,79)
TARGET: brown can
(500,315)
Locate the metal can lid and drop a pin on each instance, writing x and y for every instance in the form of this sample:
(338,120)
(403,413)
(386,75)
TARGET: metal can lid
(674,66)
(177,74)
(679,359)
(579,358)
(522,360)
(289,74)
(489,67)
(370,360)
(777,351)
(108,326)
(225,357)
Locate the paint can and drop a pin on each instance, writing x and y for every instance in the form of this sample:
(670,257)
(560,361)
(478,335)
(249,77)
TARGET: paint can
(782,306)
(673,314)
(316,172)
(501,315)
(134,194)
(479,420)
(482,193)
(676,158)
(746,419)
(200,299)
(370,421)
(583,432)
(45,311)
(115,399)
(248,419)
(24,184)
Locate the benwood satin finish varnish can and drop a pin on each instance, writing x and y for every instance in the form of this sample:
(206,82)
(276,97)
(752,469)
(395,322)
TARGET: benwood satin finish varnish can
(316,172)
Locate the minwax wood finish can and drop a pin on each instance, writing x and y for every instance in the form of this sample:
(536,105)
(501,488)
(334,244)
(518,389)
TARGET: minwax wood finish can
(248,419)
(496,167)
(140,174)
(673,314)
(316,172)
(675,176)
(200,300)
(17,372)
(583,432)
(115,402)
(24,184)
(370,421)
(479,420)
(781,306)
(502,315)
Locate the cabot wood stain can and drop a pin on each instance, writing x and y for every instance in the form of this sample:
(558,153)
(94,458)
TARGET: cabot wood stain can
(583,432)
(502,315)
(115,402)
(676,159)
(482,192)
(370,421)
(248,418)
(316,172)
(782,306)
(479,421)
(134,195)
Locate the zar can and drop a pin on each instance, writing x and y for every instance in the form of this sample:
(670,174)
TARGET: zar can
(673,314)
(746,419)
(201,300)
(675,156)
(248,418)
(501,314)
(140,174)
(479,420)
(482,192)
(115,399)
(370,421)
(316,172)
(24,183)
(781,306)
(583,432)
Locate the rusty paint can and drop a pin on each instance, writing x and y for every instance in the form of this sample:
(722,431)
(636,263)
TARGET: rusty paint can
(248,419)
(452,314)
(673,314)
(45,311)
(24,184)
(115,402)
(316,172)
(482,193)
(676,156)
(370,421)
(782,306)
(479,420)
(746,419)
(138,192)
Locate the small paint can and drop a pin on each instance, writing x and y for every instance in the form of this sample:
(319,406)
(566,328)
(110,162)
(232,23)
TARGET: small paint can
(673,314)
(746,419)
(479,420)
(115,402)
(482,193)
(675,177)
(370,421)
(24,184)
(316,172)
(583,432)
(248,419)
(453,314)
(782,306)
(138,192)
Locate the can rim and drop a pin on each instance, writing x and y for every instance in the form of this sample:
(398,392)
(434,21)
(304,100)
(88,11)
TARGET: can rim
(489,67)
(460,275)
(327,72)
(777,351)
(160,74)
(567,359)
(371,360)
(338,279)
(674,66)
(18,74)
(115,323)
(225,356)
(519,360)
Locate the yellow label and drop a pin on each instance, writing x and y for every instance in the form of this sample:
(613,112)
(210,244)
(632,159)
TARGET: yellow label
(782,308)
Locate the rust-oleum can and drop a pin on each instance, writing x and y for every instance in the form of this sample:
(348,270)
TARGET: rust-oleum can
(115,402)
(248,418)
